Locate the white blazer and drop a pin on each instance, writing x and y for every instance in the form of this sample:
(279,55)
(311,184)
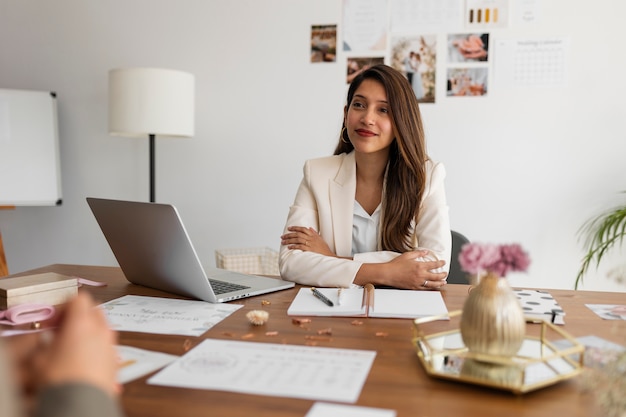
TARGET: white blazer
(325,202)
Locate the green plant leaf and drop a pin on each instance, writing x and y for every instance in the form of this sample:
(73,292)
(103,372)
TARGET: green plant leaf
(601,233)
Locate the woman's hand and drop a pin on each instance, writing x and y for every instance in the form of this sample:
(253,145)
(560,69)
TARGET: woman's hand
(21,351)
(306,239)
(410,272)
(82,349)
(78,347)
(407,271)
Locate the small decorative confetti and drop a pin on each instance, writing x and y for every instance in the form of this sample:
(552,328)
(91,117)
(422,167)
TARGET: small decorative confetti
(382,334)
(300,321)
(274,333)
(265,302)
(327,331)
(228,334)
(187,345)
(247,336)
(258,317)
(356,322)
(318,338)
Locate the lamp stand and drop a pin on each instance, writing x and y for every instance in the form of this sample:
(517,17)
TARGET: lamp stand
(151,135)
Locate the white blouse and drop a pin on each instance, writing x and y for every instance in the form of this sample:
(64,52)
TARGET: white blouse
(365,229)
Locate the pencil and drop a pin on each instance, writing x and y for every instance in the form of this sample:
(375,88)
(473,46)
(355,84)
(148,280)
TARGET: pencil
(126,363)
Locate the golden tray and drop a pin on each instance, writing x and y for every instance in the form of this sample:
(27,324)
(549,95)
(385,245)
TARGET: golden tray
(542,360)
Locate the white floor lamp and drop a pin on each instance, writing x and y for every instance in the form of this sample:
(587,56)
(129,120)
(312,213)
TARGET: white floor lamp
(149,102)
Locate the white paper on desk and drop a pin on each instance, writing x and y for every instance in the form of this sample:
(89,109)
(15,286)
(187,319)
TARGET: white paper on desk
(609,311)
(341,410)
(136,362)
(133,313)
(309,372)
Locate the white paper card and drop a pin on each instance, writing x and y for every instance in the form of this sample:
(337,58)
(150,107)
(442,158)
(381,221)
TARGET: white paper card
(134,313)
(341,410)
(308,372)
(135,362)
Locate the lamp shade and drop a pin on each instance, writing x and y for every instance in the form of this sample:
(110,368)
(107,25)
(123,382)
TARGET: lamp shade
(151,101)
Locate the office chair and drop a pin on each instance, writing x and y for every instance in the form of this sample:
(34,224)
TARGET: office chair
(456,275)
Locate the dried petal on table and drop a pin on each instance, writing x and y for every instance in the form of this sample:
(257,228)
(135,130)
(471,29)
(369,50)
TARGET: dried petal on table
(318,338)
(258,317)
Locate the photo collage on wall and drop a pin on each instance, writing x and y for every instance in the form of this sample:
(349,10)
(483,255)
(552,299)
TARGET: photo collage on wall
(405,34)
(323,43)
(364,35)
(416,58)
(467,72)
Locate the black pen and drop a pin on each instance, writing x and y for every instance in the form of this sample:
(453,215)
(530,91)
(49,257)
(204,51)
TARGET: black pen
(322,297)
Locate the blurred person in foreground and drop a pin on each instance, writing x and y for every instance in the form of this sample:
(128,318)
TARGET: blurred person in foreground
(69,370)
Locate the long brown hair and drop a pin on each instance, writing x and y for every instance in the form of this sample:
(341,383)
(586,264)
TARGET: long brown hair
(406,177)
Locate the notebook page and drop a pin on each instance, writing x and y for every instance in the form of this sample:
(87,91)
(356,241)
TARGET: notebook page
(407,304)
(306,304)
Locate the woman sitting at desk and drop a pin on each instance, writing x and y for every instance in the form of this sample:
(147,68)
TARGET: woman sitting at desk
(375,211)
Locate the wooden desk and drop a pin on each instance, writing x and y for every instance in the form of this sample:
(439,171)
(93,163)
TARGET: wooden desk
(396,380)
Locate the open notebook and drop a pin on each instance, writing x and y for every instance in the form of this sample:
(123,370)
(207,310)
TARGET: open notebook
(369,302)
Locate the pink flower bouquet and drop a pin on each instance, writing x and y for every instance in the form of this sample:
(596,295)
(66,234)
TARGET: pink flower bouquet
(480,258)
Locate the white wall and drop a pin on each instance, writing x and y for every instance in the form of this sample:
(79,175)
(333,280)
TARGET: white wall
(526,166)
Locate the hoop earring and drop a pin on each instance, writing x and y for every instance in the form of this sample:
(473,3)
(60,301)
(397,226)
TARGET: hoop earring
(342,135)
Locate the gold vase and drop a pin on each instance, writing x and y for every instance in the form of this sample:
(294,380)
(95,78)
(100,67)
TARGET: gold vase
(492,324)
(493,321)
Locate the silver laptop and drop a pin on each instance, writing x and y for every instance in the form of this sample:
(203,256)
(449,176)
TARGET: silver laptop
(153,249)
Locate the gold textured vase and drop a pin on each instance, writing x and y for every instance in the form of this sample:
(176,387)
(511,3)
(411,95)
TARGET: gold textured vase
(493,321)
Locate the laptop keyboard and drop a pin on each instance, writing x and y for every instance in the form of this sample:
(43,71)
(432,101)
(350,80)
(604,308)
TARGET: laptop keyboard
(221,287)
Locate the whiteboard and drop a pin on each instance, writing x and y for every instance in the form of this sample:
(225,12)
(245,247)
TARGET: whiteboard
(30,169)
